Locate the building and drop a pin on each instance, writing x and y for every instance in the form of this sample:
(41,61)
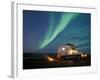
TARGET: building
(68,49)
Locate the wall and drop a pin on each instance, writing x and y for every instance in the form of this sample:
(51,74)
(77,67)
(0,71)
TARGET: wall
(5,40)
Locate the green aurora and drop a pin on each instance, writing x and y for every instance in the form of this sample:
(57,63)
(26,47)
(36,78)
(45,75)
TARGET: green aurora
(52,34)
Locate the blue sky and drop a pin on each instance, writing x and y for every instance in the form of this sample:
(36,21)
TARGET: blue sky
(45,31)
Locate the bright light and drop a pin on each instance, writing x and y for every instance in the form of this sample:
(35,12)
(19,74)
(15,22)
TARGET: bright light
(71,52)
(75,51)
(82,55)
(50,59)
(63,49)
(85,55)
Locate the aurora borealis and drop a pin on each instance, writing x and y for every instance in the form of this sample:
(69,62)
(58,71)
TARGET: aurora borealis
(51,35)
(45,31)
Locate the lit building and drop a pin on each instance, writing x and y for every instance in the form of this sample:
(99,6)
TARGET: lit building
(69,49)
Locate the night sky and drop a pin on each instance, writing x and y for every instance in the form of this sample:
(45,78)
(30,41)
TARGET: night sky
(45,31)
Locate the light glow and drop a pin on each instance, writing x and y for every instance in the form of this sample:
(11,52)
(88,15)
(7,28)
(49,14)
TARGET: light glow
(71,52)
(50,59)
(82,55)
(75,51)
(85,55)
(63,49)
